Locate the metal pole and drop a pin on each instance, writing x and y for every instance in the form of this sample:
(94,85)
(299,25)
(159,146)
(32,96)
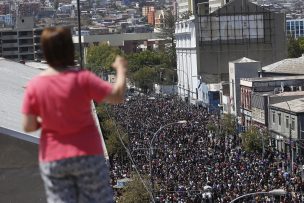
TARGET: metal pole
(290,139)
(79,35)
(150,152)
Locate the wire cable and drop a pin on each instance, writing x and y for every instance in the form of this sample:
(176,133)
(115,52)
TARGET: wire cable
(130,157)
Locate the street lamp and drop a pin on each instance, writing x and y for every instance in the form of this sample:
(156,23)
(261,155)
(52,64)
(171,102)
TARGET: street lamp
(151,145)
(275,192)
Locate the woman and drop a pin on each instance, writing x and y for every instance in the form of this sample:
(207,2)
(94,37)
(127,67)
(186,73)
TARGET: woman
(58,101)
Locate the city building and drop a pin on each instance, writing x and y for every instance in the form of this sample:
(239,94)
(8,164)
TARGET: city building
(295,28)
(286,124)
(239,29)
(4,8)
(25,9)
(147,9)
(21,42)
(241,68)
(236,30)
(7,20)
(254,92)
(159,18)
(285,67)
(151,18)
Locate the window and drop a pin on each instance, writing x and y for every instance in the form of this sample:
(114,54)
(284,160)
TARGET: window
(287,121)
(279,116)
(273,117)
(293,123)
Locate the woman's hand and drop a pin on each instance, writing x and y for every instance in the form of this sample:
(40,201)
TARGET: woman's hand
(120,64)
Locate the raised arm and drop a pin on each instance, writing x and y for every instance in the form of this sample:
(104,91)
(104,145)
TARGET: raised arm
(119,88)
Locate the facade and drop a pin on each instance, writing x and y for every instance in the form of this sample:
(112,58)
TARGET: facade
(22,42)
(183,6)
(187,61)
(286,121)
(239,29)
(7,19)
(295,28)
(242,68)
(207,43)
(4,8)
(254,91)
(159,18)
(147,9)
(28,8)
(151,18)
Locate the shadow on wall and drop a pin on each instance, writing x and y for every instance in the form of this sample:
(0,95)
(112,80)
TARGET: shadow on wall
(19,173)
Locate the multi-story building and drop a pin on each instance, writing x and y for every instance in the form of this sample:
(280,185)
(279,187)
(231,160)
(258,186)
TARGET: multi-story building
(28,8)
(147,9)
(7,19)
(151,18)
(236,30)
(295,27)
(4,8)
(159,18)
(241,68)
(286,126)
(21,42)
(255,92)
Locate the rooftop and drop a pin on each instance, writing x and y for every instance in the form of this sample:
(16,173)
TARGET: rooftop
(13,79)
(296,105)
(257,79)
(287,66)
(243,60)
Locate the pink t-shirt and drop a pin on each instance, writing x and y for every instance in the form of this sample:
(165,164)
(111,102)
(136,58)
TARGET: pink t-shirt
(63,102)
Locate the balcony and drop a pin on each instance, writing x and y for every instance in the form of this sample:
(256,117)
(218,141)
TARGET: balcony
(8,45)
(26,45)
(9,37)
(26,53)
(25,37)
(6,53)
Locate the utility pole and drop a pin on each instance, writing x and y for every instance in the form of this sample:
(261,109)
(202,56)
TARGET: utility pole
(79,34)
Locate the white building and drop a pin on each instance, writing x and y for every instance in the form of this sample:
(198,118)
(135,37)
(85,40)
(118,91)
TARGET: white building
(242,68)
(187,62)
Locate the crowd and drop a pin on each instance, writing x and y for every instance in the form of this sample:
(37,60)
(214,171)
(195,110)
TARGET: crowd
(192,164)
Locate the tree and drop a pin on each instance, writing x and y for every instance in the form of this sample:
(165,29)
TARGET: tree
(135,191)
(295,47)
(144,78)
(112,132)
(252,140)
(228,124)
(101,57)
(167,32)
(186,15)
(150,67)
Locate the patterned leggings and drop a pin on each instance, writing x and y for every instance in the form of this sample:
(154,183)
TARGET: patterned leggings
(82,179)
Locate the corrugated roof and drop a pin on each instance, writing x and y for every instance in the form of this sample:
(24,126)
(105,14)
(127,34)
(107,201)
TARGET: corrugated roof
(287,66)
(296,105)
(13,79)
